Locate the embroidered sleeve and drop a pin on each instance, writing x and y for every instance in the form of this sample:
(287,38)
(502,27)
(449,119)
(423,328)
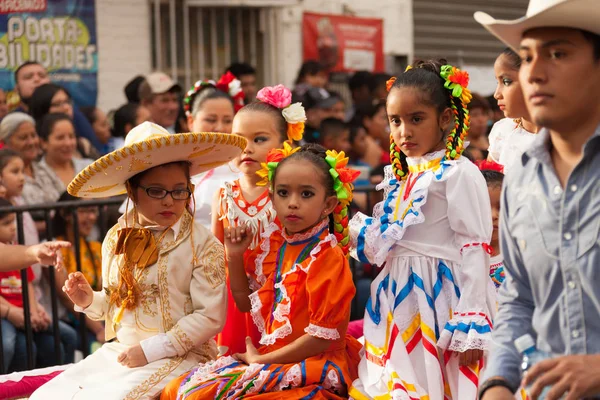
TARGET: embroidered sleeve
(99,307)
(330,292)
(470,218)
(209,300)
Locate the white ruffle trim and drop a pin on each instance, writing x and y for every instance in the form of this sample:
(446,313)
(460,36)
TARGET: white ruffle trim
(265,248)
(332,382)
(477,336)
(282,310)
(323,333)
(382,230)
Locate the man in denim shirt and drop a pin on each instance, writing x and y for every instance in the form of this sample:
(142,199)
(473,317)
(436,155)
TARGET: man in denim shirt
(551,207)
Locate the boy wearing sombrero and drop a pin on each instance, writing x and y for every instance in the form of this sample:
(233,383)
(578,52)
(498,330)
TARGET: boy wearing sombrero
(164,296)
(551,207)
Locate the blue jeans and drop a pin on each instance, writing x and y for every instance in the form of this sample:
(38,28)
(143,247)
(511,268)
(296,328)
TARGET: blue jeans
(15,346)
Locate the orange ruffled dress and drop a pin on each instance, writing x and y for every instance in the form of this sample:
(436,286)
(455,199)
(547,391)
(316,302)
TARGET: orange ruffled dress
(259,214)
(307,288)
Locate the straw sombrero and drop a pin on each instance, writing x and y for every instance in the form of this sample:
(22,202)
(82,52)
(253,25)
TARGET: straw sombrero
(149,145)
(577,14)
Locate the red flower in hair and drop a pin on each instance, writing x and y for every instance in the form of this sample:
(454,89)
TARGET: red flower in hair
(389,83)
(485,165)
(229,84)
(459,77)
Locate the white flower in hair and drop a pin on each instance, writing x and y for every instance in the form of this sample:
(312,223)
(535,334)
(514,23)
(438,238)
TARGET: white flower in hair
(294,113)
(235,87)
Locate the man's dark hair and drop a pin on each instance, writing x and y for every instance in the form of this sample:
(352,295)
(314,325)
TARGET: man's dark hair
(25,64)
(360,79)
(241,68)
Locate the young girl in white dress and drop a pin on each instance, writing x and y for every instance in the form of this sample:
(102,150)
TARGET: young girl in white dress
(428,319)
(510,136)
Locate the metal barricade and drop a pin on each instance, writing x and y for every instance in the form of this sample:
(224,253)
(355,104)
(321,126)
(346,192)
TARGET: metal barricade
(47,210)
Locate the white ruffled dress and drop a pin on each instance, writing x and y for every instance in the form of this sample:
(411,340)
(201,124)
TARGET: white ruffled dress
(433,296)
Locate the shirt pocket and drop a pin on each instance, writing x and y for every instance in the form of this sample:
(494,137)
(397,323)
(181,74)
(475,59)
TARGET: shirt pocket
(533,223)
(589,223)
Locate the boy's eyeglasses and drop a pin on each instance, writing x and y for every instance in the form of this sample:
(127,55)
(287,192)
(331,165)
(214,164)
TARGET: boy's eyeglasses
(160,193)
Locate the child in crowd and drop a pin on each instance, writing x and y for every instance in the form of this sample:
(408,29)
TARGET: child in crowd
(210,107)
(335,135)
(302,305)
(63,228)
(124,120)
(266,124)
(511,136)
(428,319)
(163,294)
(479,114)
(13,318)
(494,178)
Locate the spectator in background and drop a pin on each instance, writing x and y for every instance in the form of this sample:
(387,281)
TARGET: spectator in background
(479,111)
(91,261)
(360,84)
(374,118)
(99,122)
(3,104)
(378,86)
(160,95)
(28,77)
(52,99)
(17,133)
(319,105)
(132,89)
(125,119)
(335,135)
(247,76)
(311,74)
(59,166)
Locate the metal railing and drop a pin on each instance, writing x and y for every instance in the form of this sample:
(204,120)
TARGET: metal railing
(73,206)
(47,210)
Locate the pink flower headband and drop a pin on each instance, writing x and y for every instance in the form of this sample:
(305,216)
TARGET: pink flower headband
(280,97)
(227,83)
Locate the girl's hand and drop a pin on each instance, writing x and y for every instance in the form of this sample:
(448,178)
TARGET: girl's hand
(470,357)
(251,356)
(133,357)
(79,290)
(237,240)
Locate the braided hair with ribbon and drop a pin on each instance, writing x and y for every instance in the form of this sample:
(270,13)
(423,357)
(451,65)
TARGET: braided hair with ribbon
(442,86)
(227,87)
(336,175)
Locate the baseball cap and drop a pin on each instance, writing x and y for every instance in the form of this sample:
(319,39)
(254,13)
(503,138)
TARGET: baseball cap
(157,83)
(319,98)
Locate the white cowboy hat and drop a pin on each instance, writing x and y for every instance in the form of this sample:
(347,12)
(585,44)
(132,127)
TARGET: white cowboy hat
(149,145)
(577,14)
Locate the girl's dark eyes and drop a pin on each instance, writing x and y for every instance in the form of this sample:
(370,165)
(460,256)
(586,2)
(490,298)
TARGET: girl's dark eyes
(507,82)
(260,139)
(557,54)
(394,120)
(282,193)
(416,120)
(307,194)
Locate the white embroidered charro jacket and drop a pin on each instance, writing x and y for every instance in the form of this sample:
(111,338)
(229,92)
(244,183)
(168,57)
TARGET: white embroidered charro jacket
(181,309)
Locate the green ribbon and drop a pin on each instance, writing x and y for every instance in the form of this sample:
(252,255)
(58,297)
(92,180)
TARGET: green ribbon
(338,185)
(272,166)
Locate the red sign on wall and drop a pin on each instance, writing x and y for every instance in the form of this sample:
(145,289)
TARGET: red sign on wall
(343,43)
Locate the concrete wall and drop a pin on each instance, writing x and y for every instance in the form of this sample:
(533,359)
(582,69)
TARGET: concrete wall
(397,25)
(124,47)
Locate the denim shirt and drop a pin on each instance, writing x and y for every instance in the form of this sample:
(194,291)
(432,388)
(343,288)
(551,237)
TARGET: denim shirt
(549,240)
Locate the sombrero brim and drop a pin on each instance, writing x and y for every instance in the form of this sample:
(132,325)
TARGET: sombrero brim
(577,14)
(107,176)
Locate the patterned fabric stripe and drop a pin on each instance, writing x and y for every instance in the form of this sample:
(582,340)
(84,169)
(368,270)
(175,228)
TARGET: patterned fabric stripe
(473,314)
(313,393)
(465,328)
(360,242)
(374,313)
(473,376)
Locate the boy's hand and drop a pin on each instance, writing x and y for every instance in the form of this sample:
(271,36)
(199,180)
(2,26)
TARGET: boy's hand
(133,357)
(79,290)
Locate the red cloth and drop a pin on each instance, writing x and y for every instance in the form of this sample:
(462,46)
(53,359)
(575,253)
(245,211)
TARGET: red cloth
(11,286)
(26,386)
(385,158)
(356,328)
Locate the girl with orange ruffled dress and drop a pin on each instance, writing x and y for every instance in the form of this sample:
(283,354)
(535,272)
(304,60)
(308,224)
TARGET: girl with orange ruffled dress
(302,305)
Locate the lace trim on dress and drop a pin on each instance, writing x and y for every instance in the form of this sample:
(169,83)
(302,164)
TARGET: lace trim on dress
(255,306)
(413,161)
(265,247)
(323,333)
(466,331)
(332,382)
(301,237)
(371,238)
